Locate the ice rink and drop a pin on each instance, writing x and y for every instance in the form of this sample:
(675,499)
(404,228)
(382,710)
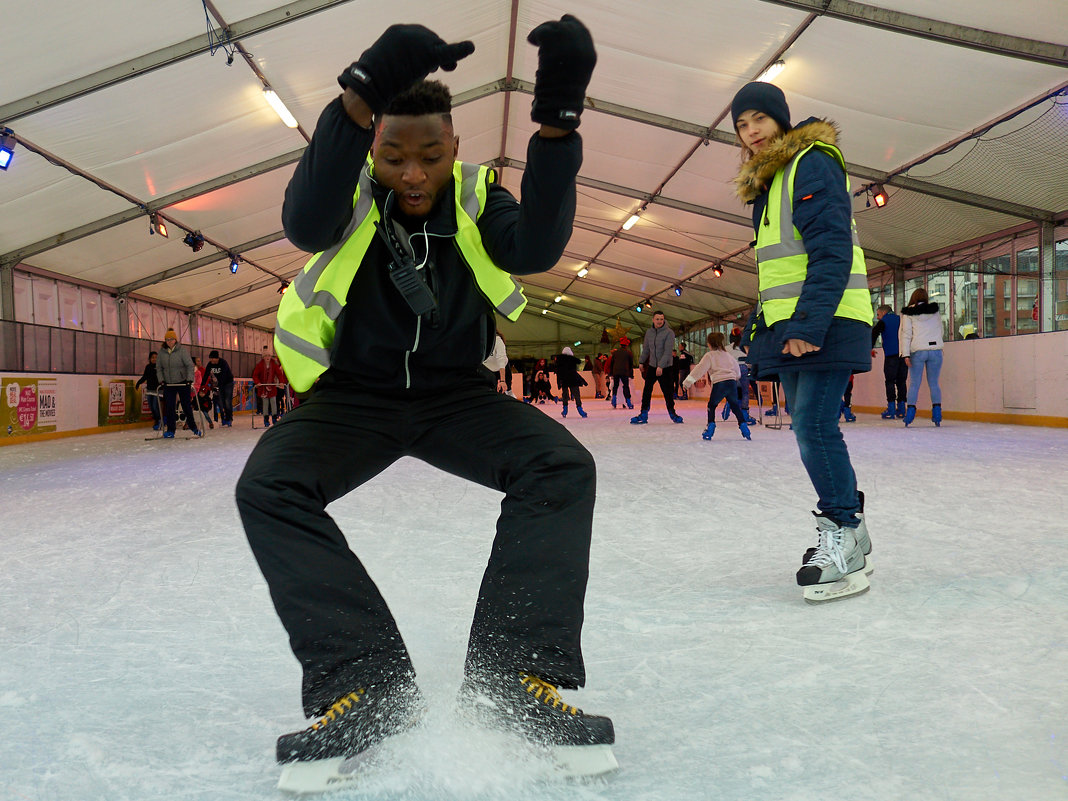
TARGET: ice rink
(141,659)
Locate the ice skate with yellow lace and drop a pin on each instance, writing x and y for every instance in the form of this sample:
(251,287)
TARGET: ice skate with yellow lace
(330,752)
(523,704)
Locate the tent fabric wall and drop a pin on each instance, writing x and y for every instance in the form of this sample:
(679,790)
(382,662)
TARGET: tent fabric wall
(113,127)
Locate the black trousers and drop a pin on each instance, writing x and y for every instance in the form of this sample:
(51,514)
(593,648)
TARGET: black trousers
(183,394)
(529,611)
(625,380)
(226,401)
(896,373)
(667,385)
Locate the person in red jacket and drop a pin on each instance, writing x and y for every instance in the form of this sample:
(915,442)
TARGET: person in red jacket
(267,376)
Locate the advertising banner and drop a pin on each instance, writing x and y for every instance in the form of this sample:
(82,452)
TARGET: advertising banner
(244,395)
(119,402)
(29,406)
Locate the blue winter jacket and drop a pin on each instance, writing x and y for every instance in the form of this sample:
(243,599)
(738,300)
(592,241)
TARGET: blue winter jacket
(888,328)
(824,219)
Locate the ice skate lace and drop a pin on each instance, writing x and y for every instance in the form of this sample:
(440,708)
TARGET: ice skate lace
(546,693)
(339,708)
(829,551)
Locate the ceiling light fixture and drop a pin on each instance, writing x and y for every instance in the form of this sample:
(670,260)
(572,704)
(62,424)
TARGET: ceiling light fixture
(558,298)
(583,272)
(772,72)
(282,287)
(717,270)
(544,311)
(235,260)
(878,194)
(678,290)
(638,308)
(7,147)
(157,225)
(195,240)
(275,102)
(631,221)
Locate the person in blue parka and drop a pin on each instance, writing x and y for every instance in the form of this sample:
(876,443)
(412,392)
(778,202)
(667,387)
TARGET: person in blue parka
(812,324)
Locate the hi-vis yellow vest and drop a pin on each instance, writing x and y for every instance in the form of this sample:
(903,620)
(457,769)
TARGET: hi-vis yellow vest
(307,315)
(782,260)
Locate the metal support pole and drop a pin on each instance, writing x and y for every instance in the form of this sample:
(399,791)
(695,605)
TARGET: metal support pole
(1047,287)
(899,288)
(123,314)
(7,291)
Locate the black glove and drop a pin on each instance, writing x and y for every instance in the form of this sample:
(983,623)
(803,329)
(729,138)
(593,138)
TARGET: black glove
(565,63)
(403,55)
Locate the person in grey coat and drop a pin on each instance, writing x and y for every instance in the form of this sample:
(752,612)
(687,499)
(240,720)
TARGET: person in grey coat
(657,366)
(175,371)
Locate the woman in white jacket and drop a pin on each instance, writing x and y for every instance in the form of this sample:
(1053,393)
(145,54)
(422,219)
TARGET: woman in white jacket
(921,347)
(723,372)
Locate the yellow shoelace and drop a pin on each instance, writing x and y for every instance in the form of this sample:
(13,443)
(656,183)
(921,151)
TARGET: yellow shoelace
(546,693)
(339,708)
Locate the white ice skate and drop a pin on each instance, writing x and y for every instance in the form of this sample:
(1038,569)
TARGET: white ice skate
(836,569)
(862,539)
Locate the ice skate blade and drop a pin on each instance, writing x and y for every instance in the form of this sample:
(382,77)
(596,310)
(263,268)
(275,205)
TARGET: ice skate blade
(318,776)
(584,760)
(853,584)
(869,566)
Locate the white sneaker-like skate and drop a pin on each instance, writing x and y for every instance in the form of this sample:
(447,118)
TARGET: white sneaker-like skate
(863,540)
(837,568)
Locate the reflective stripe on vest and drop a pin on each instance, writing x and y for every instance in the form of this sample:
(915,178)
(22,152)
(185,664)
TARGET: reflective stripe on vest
(782,258)
(308,312)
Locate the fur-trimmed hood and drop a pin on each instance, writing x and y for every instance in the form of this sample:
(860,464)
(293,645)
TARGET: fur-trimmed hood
(920,308)
(757,173)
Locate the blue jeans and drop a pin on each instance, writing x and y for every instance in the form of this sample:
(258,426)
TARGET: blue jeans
(153,404)
(815,397)
(932,360)
(724,390)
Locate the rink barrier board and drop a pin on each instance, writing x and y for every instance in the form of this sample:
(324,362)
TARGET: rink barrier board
(973,417)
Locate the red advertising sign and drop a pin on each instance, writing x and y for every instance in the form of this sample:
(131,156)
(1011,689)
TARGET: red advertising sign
(116,399)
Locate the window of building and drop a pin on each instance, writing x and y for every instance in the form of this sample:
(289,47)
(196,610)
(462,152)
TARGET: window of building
(938,292)
(1060,286)
(1028,308)
(997,283)
(965,301)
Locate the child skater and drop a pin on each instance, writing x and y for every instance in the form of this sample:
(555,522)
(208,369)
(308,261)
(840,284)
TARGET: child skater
(723,373)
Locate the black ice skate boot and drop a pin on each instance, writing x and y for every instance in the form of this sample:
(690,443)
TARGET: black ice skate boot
(325,755)
(532,708)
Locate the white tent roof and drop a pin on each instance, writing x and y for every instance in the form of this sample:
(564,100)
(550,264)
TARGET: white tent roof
(120,109)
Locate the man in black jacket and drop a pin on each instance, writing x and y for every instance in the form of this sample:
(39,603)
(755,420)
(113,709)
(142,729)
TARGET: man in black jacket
(400,376)
(224,380)
(151,382)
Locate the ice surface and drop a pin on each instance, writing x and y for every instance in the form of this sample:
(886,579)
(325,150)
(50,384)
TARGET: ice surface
(141,660)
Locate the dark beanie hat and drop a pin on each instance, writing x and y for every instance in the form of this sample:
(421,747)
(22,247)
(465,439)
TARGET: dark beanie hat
(761,96)
(213,355)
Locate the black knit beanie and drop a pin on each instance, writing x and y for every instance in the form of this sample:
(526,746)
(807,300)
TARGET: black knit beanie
(761,96)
